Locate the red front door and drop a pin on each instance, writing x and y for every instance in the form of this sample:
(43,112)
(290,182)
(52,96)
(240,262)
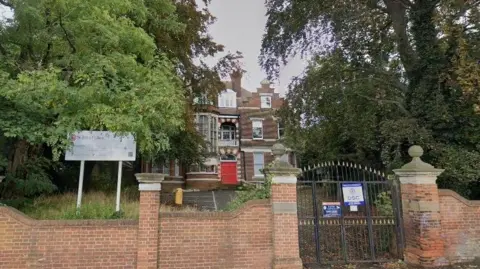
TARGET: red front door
(229,172)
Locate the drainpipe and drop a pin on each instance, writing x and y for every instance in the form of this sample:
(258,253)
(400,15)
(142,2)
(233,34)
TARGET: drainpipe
(240,147)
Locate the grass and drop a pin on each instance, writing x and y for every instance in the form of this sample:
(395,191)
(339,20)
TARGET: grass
(95,205)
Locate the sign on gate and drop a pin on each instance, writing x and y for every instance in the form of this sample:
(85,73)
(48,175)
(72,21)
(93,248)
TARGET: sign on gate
(353,194)
(332,210)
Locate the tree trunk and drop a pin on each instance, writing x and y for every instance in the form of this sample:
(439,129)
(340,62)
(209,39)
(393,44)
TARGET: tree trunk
(18,156)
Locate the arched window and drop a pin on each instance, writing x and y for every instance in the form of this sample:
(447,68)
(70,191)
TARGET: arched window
(228,157)
(227,131)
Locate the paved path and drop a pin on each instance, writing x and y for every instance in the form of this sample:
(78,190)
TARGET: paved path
(204,200)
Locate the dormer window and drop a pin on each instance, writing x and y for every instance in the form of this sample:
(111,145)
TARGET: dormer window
(266,101)
(228,99)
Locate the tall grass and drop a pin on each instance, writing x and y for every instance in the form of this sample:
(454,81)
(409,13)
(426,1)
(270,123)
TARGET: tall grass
(95,205)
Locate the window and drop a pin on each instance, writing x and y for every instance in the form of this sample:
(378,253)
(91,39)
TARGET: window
(281,130)
(166,168)
(202,100)
(202,125)
(227,98)
(201,168)
(213,138)
(258,163)
(177,168)
(207,126)
(228,157)
(161,167)
(227,131)
(257,129)
(265,101)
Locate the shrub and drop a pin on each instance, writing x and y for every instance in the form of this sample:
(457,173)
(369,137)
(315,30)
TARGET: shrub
(251,192)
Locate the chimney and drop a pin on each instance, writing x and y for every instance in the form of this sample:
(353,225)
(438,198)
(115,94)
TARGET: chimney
(236,78)
(265,87)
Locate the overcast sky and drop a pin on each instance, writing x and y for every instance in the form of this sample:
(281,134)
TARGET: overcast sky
(240,25)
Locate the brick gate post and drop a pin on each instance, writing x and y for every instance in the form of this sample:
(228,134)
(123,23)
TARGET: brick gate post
(284,207)
(424,245)
(148,221)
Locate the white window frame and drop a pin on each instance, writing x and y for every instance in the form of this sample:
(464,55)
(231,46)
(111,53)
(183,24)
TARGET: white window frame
(227,99)
(257,172)
(265,101)
(166,168)
(278,131)
(260,123)
(177,168)
(231,131)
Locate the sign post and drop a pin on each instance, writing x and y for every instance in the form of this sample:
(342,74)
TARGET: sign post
(101,146)
(80,184)
(119,186)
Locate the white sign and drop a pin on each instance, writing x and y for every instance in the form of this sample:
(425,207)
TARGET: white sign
(353,194)
(101,146)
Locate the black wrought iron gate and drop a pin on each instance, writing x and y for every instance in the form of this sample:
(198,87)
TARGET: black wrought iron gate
(338,225)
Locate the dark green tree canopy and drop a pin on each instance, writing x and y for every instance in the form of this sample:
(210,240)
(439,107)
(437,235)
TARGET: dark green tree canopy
(118,65)
(384,74)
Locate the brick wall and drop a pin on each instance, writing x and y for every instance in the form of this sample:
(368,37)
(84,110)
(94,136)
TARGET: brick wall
(217,240)
(241,239)
(460,226)
(26,243)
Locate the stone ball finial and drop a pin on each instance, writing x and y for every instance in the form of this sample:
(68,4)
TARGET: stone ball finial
(265,82)
(415,151)
(278,150)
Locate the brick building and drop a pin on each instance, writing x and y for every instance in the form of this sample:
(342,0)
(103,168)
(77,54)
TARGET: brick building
(240,128)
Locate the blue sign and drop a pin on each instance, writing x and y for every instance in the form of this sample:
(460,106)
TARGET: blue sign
(353,194)
(332,210)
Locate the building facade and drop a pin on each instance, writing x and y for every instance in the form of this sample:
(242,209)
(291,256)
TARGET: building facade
(240,129)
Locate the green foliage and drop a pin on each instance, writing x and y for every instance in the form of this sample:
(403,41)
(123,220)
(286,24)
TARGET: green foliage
(250,192)
(383,204)
(95,205)
(29,180)
(87,66)
(392,74)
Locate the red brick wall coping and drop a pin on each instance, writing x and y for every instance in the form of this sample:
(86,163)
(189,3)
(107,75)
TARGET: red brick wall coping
(444,192)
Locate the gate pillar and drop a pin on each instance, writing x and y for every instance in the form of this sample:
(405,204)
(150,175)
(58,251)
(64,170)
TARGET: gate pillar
(284,207)
(148,222)
(424,245)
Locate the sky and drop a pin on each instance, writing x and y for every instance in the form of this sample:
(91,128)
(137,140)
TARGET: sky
(240,25)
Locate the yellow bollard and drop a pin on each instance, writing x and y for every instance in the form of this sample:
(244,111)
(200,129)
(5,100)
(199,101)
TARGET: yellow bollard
(178,196)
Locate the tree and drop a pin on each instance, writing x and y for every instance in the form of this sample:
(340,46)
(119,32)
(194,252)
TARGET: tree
(188,49)
(384,75)
(67,65)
